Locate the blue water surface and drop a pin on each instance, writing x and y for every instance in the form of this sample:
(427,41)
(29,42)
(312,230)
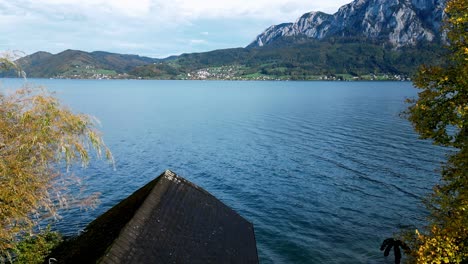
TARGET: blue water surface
(324,170)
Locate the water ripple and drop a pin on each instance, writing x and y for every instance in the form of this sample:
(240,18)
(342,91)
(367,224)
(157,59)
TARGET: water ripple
(325,171)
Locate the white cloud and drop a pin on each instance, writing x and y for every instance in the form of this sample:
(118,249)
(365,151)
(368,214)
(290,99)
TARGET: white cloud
(124,16)
(263,9)
(144,26)
(197,41)
(179,10)
(125,7)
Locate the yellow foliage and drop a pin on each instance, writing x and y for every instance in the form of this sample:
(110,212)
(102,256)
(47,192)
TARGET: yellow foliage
(440,114)
(37,134)
(440,247)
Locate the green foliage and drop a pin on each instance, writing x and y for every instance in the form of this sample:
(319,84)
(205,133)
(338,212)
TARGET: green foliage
(71,62)
(35,248)
(156,71)
(287,58)
(441,114)
(309,58)
(8,64)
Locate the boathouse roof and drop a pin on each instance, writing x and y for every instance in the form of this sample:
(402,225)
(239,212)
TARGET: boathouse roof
(169,220)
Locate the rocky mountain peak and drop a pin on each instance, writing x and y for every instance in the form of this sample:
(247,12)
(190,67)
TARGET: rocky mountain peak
(399,22)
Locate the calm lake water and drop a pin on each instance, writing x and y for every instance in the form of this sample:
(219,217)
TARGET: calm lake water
(324,170)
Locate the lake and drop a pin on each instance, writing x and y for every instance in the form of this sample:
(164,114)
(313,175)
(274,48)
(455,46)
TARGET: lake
(324,170)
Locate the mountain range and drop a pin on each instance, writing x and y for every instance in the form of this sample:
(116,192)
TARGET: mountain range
(75,62)
(397,22)
(363,39)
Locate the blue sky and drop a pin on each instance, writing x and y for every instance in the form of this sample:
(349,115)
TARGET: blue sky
(154,28)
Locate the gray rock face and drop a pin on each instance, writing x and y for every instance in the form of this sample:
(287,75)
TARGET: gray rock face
(399,22)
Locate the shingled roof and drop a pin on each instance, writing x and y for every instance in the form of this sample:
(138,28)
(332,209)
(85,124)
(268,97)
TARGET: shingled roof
(169,220)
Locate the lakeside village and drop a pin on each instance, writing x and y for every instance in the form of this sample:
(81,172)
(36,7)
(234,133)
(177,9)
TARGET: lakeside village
(233,73)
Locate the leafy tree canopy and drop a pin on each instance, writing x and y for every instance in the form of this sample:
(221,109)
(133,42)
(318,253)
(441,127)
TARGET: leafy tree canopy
(38,137)
(440,113)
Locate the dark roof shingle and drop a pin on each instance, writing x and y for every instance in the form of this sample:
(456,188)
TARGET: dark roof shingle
(177,222)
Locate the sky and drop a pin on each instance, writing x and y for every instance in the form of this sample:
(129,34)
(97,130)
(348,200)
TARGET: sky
(153,28)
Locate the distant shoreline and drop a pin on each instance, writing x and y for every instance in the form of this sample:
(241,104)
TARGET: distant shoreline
(232,80)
